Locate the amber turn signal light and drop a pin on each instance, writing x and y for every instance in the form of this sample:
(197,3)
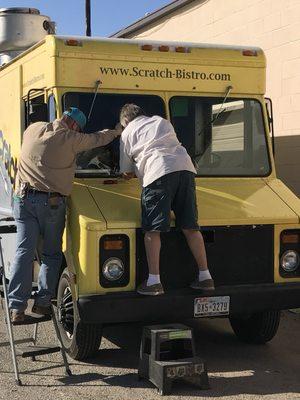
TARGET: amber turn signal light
(113,245)
(290,238)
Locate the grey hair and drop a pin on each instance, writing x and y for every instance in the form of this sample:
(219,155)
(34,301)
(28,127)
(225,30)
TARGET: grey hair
(129,112)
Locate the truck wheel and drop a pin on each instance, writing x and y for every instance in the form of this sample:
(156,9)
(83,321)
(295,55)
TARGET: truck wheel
(259,328)
(80,340)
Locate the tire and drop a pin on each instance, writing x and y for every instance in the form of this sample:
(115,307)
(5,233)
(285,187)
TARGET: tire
(259,328)
(80,340)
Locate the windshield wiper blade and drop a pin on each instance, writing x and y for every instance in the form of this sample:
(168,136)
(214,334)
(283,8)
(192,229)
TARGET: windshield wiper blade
(222,109)
(97,84)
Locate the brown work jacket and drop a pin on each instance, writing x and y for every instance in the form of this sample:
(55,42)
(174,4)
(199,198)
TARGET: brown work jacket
(48,155)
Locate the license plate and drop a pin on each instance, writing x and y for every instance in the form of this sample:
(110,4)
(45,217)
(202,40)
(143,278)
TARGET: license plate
(211,306)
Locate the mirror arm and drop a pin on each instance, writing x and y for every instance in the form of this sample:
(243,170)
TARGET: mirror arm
(271,122)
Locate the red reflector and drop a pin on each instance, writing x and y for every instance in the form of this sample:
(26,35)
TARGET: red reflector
(110,182)
(250,53)
(73,42)
(113,245)
(290,238)
(147,47)
(180,49)
(163,48)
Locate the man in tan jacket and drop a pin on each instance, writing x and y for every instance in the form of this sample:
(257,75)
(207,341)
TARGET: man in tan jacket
(45,175)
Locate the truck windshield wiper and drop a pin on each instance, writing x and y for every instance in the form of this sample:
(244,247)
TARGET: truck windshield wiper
(97,84)
(222,108)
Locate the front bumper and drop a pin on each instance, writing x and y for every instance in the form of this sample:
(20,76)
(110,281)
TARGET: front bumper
(179,304)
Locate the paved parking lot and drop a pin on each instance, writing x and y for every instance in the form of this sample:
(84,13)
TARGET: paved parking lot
(236,370)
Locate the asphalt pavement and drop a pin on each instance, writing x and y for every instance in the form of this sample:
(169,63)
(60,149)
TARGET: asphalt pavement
(236,370)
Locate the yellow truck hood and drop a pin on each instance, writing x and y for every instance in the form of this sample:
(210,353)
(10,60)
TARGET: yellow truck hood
(220,202)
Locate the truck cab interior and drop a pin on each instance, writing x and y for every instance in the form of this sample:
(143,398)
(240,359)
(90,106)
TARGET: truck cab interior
(105,115)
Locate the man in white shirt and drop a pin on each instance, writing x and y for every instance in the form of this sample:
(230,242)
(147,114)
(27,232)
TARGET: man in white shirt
(149,149)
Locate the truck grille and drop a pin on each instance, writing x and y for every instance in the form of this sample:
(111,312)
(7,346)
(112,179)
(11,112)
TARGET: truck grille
(236,255)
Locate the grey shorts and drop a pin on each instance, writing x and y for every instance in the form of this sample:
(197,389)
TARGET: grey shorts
(174,191)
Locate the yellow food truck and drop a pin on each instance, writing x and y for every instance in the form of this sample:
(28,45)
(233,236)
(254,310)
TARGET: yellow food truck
(214,97)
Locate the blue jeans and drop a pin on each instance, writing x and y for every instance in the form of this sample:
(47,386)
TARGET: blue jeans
(35,217)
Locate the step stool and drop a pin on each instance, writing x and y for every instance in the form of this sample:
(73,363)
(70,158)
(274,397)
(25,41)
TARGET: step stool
(167,354)
(32,319)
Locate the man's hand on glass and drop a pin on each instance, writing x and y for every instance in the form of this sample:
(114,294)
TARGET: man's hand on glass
(118,128)
(128,175)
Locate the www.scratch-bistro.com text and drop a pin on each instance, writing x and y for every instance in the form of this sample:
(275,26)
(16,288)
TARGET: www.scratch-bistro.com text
(165,73)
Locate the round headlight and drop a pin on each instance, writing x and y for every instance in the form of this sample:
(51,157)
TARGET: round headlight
(290,261)
(113,269)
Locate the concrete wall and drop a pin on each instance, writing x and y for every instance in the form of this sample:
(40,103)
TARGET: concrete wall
(273,25)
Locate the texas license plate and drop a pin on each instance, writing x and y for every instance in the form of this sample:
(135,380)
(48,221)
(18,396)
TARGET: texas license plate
(211,306)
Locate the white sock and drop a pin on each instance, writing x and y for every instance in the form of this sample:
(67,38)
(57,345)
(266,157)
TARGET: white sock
(153,279)
(203,275)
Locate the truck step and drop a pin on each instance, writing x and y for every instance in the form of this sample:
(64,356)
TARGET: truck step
(32,351)
(18,341)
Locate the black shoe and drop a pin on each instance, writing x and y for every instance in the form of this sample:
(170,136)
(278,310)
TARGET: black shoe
(41,310)
(207,284)
(152,290)
(17,316)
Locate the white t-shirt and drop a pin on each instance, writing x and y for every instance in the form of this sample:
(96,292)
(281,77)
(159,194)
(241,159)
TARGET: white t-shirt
(150,148)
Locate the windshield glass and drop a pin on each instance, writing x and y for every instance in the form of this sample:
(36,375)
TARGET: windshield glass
(104,161)
(222,139)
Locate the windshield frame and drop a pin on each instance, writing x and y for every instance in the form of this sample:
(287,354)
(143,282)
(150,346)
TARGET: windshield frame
(94,173)
(229,99)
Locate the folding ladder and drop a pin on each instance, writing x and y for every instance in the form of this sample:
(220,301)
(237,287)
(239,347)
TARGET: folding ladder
(32,350)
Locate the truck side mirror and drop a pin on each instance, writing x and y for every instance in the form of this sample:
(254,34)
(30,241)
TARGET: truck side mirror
(37,112)
(269,107)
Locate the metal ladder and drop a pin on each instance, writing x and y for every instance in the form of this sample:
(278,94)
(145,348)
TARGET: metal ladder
(32,350)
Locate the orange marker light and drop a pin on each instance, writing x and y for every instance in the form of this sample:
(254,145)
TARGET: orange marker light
(73,42)
(147,47)
(250,53)
(113,245)
(163,48)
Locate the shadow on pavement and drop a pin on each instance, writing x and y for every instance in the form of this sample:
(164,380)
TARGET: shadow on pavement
(127,380)
(234,367)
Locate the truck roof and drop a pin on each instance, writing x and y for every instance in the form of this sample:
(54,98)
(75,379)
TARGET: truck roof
(159,42)
(141,65)
(136,44)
